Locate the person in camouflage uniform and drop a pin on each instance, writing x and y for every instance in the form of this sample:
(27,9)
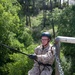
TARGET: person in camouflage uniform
(43,56)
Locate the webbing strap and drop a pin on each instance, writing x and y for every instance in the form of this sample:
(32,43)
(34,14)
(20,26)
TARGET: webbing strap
(40,63)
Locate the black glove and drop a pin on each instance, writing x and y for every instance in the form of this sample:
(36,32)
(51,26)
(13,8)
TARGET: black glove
(32,56)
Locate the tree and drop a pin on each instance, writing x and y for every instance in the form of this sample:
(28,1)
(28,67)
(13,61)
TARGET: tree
(9,25)
(67,28)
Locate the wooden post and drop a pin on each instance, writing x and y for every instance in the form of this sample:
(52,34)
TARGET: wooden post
(66,39)
(57,45)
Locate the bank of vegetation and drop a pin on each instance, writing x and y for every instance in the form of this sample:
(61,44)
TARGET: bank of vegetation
(21,24)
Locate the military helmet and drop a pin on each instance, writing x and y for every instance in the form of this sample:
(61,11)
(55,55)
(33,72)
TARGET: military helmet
(47,34)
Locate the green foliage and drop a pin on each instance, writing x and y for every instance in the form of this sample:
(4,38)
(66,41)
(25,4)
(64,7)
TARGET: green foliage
(66,64)
(73,73)
(36,33)
(9,25)
(15,33)
(36,20)
(67,22)
(25,37)
(31,48)
(66,28)
(22,64)
(55,14)
(19,66)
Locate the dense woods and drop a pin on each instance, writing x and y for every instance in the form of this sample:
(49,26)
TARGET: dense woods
(21,24)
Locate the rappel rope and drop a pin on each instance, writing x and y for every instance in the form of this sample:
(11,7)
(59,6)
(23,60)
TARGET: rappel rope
(59,65)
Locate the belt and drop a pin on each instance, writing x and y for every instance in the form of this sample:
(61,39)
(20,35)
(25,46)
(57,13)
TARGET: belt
(45,65)
(40,63)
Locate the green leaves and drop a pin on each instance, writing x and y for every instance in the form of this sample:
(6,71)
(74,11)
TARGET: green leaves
(9,25)
(25,37)
(67,24)
(67,28)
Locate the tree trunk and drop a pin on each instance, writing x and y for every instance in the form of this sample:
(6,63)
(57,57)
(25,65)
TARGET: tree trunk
(44,14)
(33,7)
(53,28)
(29,21)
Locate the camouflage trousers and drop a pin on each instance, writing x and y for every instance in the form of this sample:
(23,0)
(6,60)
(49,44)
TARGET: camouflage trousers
(37,71)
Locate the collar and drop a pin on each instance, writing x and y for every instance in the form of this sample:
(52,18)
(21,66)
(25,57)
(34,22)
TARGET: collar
(47,47)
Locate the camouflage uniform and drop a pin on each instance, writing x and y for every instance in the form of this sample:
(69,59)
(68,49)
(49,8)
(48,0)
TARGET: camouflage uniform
(46,56)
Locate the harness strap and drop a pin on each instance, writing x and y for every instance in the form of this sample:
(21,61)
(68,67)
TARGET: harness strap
(45,65)
(40,63)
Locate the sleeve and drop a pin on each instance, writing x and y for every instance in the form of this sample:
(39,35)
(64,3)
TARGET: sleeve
(36,51)
(49,56)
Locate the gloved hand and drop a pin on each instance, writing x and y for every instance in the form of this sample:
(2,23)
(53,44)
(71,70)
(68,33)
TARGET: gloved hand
(32,56)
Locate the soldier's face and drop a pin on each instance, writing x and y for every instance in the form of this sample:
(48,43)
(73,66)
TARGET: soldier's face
(44,40)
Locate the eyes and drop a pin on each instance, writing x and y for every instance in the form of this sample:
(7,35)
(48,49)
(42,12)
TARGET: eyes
(44,39)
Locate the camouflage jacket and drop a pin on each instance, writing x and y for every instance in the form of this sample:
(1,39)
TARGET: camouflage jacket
(45,55)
